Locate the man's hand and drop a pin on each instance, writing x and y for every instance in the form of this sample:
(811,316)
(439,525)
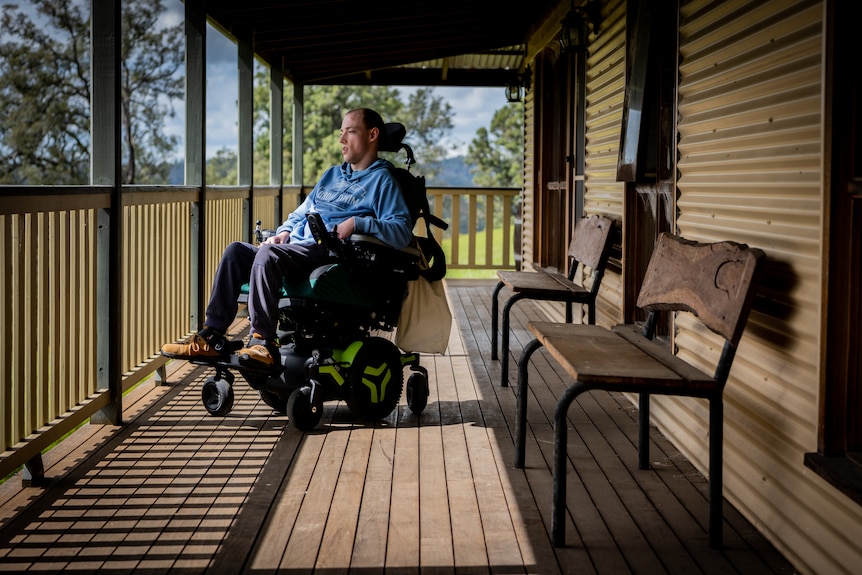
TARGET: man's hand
(282,238)
(345,229)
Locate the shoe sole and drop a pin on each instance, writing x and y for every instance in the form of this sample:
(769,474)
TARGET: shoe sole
(207,358)
(246,361)
(232,347)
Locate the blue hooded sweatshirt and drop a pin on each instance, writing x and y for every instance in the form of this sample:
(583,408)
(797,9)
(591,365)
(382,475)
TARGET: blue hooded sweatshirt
(371,196)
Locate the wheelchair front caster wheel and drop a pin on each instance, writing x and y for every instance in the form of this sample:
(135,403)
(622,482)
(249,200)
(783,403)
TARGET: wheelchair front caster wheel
(417,392)
(217,396)
(302,414)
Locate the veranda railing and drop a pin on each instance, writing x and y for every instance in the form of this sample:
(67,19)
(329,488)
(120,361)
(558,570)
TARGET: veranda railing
(51,248)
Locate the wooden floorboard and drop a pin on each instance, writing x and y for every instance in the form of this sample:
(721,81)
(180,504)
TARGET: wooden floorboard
(175,490)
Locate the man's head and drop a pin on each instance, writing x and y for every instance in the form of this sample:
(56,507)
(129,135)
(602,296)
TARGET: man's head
(360,136)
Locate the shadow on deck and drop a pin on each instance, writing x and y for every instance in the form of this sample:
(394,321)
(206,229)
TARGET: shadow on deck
(178,491)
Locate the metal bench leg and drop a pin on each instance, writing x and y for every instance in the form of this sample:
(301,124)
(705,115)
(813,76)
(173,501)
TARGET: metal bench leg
(643,431)
(495,309)
(558,512)
(521,411)
(716,444)
(504,361)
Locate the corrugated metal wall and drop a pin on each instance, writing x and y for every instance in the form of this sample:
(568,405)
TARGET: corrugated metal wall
(749,167)
(605,91)
(528,197)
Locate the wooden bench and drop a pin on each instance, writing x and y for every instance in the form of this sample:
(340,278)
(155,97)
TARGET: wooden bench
(590,246)
(715,282)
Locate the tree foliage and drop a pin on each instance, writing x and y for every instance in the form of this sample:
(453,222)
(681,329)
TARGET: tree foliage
(151,58)
(429,120)
(45,88)
(498,154)
(427,117)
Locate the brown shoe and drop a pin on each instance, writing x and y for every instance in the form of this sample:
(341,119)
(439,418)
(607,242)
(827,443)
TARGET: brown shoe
(206,345)
(259,353)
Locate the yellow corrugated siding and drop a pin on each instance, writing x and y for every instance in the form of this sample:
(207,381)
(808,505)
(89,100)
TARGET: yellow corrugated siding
(749,168)
(528,199)
(605,94)
(605,91)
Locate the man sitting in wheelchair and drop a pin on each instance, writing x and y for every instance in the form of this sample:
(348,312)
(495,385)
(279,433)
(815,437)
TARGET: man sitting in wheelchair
(360,196)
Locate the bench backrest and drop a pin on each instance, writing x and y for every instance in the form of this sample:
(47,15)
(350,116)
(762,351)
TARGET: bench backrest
(591,246)
(715,281)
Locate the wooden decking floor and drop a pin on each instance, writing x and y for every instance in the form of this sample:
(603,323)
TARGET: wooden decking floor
(175,490)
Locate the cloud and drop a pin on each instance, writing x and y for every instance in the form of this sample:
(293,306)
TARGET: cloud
(472,109)
(221,94)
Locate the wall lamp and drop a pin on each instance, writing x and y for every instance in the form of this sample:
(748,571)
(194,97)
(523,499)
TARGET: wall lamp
(577,25)
(520,83)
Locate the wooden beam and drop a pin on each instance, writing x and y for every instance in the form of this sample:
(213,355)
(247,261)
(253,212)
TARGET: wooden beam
(245,123)
(195,160)
(106,169)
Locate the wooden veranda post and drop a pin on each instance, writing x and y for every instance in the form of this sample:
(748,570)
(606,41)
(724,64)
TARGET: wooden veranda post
(106,170)
(195,167)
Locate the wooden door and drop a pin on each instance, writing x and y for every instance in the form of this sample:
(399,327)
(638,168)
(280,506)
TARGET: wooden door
(556,206)
(841,410)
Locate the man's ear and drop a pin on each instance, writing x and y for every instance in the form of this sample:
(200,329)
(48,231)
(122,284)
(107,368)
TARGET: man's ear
(373,134)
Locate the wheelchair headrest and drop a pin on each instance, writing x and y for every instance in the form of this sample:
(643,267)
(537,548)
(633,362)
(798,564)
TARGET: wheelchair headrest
(391,137)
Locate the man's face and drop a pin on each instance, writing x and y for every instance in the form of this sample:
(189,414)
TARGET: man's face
(356,140)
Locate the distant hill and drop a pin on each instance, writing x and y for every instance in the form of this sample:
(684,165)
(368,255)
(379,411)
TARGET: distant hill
(176,176)
(453,172)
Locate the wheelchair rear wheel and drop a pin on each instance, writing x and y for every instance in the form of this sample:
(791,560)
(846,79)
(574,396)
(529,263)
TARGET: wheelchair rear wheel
(278,403)
(374,380)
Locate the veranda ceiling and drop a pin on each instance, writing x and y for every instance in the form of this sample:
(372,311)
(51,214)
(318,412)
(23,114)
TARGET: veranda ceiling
(418,42)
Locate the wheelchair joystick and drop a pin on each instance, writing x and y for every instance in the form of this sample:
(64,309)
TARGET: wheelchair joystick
(324,237)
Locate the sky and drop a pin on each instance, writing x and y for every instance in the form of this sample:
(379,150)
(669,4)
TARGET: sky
(472,107)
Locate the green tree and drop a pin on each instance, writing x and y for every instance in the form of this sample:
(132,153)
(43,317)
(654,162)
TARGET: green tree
(45,93)
(222,169)
(151,58)
(428,119)
(262,108)
(325,107)
(426,116)
(498,154)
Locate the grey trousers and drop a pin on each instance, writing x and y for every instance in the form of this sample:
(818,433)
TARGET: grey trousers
(263,268)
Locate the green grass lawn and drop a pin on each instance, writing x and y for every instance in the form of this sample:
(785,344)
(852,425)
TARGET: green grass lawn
(497,257)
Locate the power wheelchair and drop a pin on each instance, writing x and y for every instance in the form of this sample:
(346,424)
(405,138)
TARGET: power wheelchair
(327,323)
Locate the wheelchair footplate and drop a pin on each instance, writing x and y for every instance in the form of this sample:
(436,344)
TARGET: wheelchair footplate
(217,393)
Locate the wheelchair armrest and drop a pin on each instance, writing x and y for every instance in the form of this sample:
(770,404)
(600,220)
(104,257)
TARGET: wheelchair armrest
(368,240)
(359,238)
